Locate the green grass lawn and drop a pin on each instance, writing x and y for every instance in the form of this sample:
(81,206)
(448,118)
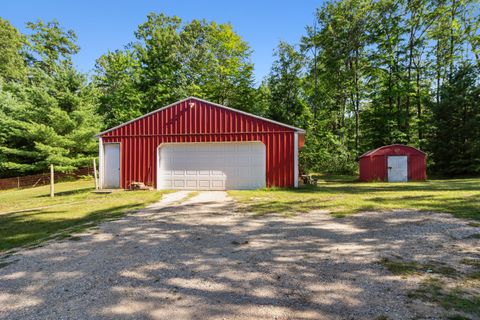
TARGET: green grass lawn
(343,195)
(28,216)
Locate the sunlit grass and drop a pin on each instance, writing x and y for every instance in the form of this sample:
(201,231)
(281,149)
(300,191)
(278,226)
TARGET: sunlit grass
(343,195)
(455,299)
(28,216)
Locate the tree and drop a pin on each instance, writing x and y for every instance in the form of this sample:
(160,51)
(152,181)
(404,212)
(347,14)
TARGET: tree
(49,46)
(455,143)
(117,77)
(51,119)
(372,70)
(171,60)
(287,100)
(12,62)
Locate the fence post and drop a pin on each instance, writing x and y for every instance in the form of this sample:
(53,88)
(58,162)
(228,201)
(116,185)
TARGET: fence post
(95,173)
(18,182)
(52,182)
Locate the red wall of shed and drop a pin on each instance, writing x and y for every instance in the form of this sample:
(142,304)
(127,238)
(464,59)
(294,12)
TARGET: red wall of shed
(205,122)
(373,166)
(417,165)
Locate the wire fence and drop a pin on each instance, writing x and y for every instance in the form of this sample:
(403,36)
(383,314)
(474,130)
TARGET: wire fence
(41,179)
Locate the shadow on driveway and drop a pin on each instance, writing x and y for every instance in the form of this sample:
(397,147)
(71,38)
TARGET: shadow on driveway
(202,259)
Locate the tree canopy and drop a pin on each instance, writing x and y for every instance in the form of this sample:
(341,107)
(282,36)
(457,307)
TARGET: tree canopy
(47,108)
(364,74)
(171,60)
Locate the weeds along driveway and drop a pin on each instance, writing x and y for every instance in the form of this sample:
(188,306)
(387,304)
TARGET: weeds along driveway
(193,256)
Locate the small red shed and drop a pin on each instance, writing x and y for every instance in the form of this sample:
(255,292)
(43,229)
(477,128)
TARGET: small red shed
(197,144)
(393,163)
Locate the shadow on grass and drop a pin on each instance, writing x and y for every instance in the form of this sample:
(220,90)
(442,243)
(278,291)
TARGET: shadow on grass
(461,206)
(176,260)
(68,192)
(285,208)
(21,229)
(460,197)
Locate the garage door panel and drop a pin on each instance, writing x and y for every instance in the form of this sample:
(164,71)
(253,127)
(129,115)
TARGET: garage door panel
(204,183)
(179,183)
(213,166)
(165,184)
(191,184)
(217,184)
(216,173)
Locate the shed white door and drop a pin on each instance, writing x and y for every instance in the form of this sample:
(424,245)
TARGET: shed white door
(397,168)
(111,178)
(211,166)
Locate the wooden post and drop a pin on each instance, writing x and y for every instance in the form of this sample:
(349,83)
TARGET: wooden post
(95,173)
(52,182)
(18,182)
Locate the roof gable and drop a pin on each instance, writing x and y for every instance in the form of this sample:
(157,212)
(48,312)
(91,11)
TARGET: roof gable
(205,102)
(383,149)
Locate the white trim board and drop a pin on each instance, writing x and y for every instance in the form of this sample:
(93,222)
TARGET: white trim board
(295,160)
(101,161)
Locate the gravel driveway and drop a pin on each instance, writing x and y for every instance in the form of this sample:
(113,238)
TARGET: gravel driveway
(198,258)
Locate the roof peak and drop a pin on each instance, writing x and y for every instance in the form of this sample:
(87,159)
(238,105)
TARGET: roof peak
(389,146)
(204,101)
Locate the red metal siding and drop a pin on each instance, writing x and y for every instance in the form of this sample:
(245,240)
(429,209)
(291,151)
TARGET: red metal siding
(417,167)
(373,168)
(204,122)
(373,164)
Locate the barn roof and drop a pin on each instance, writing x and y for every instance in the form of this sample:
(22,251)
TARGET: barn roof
(374,151)
(204,101)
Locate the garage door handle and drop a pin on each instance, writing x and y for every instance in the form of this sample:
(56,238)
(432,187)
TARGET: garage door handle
(389,168)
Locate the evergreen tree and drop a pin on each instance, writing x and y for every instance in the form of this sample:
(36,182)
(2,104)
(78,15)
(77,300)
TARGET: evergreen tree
(455,143)
(51,119)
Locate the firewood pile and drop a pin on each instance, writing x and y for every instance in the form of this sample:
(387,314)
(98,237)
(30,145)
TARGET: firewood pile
(139,186)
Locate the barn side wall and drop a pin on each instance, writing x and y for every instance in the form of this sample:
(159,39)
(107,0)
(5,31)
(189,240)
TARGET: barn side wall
(202,123)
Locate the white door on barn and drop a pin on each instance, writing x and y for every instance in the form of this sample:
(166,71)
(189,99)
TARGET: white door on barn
(111,178)
(397,168)
(211,166)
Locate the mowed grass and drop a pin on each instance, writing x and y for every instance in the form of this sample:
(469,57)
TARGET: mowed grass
(29,216)
(343,195)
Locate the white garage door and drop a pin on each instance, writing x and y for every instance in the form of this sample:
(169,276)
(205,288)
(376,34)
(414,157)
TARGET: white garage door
(211,166)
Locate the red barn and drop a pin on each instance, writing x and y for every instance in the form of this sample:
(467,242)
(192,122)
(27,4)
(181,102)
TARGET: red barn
(196,144)
(393,163)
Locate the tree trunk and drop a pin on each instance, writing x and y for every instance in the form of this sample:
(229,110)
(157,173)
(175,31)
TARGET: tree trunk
(357,101)
(452,39)
(419,107)
(438,73)
(409,77)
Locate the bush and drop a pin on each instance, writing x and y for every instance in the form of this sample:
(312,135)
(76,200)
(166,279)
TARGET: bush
(325,153)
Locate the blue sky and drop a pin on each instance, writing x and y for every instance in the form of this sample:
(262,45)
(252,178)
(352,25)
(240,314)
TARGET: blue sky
(109,25)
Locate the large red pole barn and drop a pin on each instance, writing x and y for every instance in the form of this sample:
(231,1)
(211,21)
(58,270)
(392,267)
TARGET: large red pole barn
(196,144)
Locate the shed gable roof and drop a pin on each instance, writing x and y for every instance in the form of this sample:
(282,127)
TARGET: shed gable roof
(378,150)
(207,102)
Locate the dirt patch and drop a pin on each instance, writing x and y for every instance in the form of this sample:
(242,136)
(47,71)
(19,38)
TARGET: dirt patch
(196,257)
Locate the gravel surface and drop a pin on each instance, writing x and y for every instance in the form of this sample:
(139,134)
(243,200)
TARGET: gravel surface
(199,259)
